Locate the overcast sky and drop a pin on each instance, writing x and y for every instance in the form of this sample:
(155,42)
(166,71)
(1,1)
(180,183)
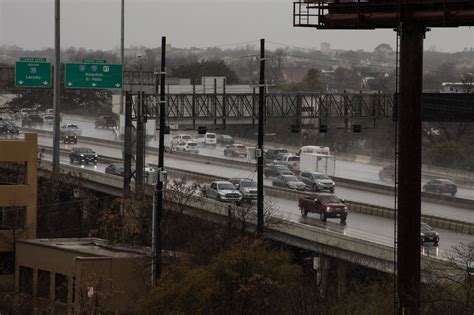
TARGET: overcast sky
(95,24)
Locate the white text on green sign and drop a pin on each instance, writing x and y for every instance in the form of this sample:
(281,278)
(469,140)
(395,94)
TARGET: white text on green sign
(93,76)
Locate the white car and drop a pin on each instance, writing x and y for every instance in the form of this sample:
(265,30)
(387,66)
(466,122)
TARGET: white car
(72,127)
(180,138)
(188,146)
(48,119)
(207,139)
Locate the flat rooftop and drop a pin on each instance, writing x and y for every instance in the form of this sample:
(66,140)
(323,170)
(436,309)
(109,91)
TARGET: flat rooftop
(92,247)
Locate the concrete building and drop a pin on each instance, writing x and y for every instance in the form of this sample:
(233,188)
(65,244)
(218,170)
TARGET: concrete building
(76,276)
(18,198)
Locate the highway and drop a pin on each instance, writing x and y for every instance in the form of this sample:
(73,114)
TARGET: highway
(369,228)
(344,169)
(379,199)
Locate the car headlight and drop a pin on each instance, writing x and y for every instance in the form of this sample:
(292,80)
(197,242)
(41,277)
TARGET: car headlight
(95,155)
(328,209)
(422,234)
(82,155)
(221,193)
(436,233)
(345,208)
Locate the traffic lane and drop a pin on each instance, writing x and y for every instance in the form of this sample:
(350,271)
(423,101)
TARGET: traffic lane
(371,228)
(378,199)
(344,169)
(388,200)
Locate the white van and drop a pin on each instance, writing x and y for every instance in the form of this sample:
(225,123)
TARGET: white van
(207,139)
(314,150)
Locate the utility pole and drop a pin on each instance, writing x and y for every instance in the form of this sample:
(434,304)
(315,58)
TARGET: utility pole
(122,49)
(57,85)
(261,106)
(158,197)
(140,162)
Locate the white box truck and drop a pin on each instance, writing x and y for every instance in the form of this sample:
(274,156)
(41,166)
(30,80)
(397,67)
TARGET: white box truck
(322,163)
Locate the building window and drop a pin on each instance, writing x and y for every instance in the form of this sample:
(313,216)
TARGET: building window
(7,263)
(61,288)
(26,280)
(13,173)
(44,282)
(12,218)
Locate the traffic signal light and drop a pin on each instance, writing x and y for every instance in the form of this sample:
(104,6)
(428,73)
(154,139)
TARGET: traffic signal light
(202,130)
(295,128)
(356,128)
(323,128)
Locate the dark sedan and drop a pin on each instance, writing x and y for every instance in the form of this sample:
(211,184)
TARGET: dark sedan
(288,181)
(115,169)
(273,170)
(441,186)
(83,155)
(224,140)
(429,235)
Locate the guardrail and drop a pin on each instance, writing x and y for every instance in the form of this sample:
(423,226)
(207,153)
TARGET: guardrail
(357,207)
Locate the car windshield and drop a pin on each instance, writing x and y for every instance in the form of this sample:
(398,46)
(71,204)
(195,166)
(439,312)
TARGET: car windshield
(85,150)
(281,167)
(248,183)
(321,177)
(426,227)
(186,137)
(293,158)
(240,146)
(446,181)
(192,144)
(290,178)
(210,136)
(226,137)
(72,126)
(329,199)
(226,186)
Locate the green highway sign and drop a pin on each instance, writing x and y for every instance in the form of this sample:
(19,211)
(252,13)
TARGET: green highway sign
(32,72)
(93,76)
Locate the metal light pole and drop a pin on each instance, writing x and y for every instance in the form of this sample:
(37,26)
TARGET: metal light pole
(57,84)
(158,196)
(261,105)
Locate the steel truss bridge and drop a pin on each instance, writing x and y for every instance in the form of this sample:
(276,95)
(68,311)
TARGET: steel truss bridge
(237,106)
(277,105)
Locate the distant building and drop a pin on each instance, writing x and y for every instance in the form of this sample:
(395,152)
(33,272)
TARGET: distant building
(325,47)
(457,87)
(81,276)
(18,198)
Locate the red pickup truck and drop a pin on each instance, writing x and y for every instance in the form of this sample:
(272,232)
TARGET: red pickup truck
(327,205)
